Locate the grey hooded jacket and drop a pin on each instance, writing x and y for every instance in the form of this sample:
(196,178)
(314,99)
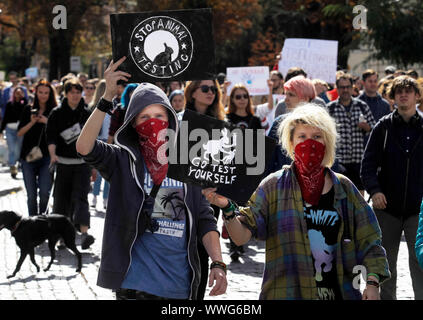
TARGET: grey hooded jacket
(122,165)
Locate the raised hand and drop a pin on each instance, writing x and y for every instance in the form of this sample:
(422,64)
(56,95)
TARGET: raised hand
(112,76)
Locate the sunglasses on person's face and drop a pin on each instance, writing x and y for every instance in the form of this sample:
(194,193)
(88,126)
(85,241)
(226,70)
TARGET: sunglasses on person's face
(240,96)
(89,88)
(206,89)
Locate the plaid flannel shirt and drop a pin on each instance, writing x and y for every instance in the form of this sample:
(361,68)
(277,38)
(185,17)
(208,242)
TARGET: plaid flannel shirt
(351,144)
(275,214)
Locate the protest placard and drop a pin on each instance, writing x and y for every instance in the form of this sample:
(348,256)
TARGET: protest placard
(164,45)
(253,78)
(214,153)
(318,58)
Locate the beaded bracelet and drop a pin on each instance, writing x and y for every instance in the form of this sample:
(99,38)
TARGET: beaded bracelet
(218,264)
(374,275)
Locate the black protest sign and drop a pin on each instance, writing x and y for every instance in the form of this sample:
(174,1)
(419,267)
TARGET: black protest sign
(164,45)
(214,153)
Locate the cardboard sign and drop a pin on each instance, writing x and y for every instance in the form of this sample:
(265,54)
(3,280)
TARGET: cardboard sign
(318,58)
(254,78)
(164,45)
(214,153)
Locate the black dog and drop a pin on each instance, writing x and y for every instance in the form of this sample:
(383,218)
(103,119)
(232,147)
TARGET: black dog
(31,232)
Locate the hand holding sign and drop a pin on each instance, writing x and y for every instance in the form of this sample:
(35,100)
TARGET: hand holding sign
(215,198)
(112,77)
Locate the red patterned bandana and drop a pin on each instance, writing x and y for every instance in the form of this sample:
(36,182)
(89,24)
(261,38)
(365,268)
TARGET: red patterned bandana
(310,174)
(152,139)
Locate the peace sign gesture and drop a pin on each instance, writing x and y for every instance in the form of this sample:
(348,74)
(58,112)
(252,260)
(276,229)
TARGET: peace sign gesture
(112,76)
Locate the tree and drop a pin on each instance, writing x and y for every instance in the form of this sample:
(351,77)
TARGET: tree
(19,18)
(61,40)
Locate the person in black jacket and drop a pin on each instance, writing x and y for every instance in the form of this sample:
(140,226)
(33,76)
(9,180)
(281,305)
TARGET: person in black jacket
(32,127)
(240,113)
(10,122)
(72,183)
(392,173)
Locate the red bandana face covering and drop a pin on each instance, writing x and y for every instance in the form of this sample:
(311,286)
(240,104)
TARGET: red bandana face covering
(152,139)
(310,174)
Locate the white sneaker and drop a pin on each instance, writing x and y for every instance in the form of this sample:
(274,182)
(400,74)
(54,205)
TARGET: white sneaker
(94,203)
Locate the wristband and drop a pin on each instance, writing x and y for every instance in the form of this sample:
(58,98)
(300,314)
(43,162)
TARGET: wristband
(218,264)
(105,106)
(229,207)
(374,275)
(373,283)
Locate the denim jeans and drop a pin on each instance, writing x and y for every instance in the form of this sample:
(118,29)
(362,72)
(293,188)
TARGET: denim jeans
(37,177)
(97,186)
(14,144)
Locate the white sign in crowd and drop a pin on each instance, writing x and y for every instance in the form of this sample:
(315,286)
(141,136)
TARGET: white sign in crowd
(318,58)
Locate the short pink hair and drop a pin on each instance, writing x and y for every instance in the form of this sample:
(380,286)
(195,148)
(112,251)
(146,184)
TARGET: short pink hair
(302,87)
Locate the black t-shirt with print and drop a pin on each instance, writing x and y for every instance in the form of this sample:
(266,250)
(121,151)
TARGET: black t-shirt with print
(248,122)
(323,225)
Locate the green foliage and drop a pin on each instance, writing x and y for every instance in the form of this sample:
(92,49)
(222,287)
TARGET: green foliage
(9,50)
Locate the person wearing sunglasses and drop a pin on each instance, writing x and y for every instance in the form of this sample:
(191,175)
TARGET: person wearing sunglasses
(204,97)
(240,113)
(89,90)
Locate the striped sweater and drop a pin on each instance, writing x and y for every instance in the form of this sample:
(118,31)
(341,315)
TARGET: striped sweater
(275,214)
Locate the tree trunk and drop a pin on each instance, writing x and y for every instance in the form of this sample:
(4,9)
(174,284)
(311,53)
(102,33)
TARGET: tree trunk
(60,52)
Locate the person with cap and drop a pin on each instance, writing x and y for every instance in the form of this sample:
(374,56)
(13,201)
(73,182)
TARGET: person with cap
(177,100)
(390,70)
(153,223)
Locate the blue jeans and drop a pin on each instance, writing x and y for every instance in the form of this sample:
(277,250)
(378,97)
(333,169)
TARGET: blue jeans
(36,176)
(97,186)
(14,144)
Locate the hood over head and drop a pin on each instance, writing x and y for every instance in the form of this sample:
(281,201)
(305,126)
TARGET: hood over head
(144,95)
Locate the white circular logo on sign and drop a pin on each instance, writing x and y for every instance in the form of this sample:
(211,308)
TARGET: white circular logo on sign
(161,47)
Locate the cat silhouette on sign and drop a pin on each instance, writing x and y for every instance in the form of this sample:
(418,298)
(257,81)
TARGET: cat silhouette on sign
(164,58)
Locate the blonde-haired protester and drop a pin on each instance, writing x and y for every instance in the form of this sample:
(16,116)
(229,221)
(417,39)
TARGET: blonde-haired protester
(316,225)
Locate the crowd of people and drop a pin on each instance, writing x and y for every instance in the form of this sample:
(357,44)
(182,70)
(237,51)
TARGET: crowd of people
(336,142)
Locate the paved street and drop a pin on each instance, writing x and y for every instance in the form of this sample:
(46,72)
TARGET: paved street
(61,282)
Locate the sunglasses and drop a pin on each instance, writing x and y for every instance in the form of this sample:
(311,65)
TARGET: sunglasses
(89,88)
(206,89)
(240,96)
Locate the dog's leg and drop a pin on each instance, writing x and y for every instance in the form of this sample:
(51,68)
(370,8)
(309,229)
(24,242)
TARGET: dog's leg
(51,245)
(31,255)
(19,264)
(70,243)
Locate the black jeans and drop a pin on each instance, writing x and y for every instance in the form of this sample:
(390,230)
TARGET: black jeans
(130,294)
(71,189)
(204,261)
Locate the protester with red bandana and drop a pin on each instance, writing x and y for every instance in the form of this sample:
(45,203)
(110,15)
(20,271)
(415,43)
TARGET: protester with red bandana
(316,224)
(152,222)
